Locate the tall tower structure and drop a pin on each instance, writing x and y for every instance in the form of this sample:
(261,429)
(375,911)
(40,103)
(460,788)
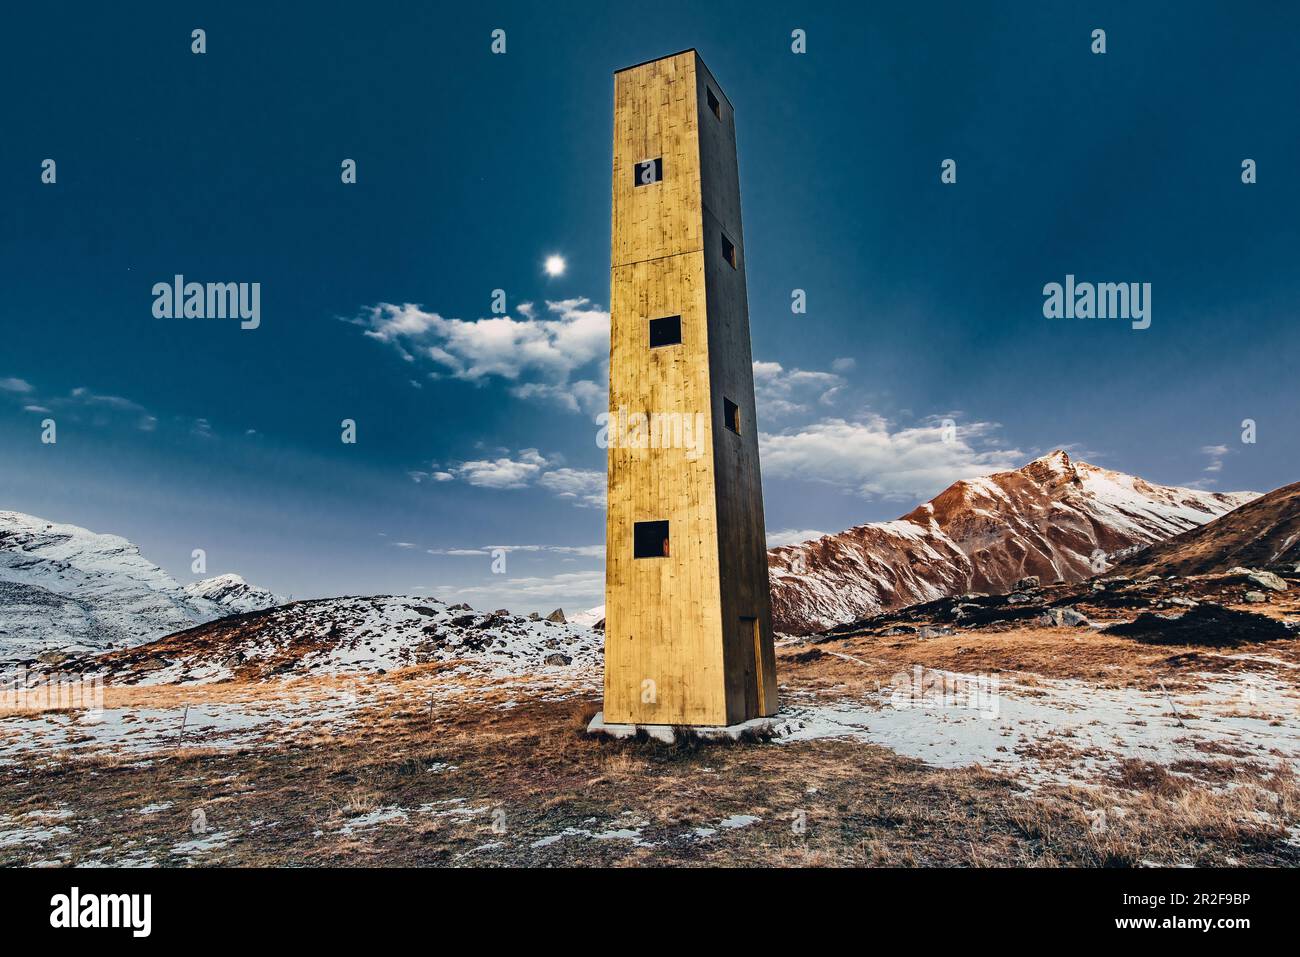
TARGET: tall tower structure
(688,626)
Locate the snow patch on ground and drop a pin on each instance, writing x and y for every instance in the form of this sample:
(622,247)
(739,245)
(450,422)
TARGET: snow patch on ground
(1066,731)
(222,725)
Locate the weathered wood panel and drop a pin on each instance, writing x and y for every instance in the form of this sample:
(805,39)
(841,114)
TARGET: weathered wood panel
(687,623)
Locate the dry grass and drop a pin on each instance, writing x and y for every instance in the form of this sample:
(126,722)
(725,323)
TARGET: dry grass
(858,804)
(490,772)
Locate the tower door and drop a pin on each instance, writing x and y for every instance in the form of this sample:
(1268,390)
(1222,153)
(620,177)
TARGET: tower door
(756,692)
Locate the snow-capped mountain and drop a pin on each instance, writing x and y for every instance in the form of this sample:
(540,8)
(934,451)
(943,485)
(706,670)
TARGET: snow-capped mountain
(66,589)
(233,593)
(1047,519)
(589,618)
(356,635)
(1263,534)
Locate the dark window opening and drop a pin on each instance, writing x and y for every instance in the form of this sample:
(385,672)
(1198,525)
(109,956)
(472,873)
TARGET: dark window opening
(729,251)
(650,540)
(666,331)
(731,415)
(714,105)
(648,171)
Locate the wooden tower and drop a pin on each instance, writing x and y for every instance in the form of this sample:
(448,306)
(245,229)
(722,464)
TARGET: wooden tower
(688,627)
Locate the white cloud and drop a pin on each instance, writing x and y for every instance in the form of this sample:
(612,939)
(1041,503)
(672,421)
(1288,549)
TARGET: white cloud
(1217,453)
(583,486)
(101,407)
(581,396)
(503,472)
(539,353)
(573,591)
(844,364)
(83,395)
(780,393)
(583,551)
(865,456)
(792,536)
(524,469)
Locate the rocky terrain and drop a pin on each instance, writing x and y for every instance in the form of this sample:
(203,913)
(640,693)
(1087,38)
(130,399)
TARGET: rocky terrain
(64,589)
(1264,533)
(1057,519)
(232,593)
(1217,610)
(1128,719)
(350,636)
(1032,728)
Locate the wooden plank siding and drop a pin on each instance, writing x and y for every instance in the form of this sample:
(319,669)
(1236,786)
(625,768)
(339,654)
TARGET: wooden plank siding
(680,630)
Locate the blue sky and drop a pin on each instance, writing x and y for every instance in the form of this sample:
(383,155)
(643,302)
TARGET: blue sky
(924,299)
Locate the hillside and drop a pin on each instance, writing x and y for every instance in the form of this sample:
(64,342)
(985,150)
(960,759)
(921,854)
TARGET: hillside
(1055,519)
(65,589)
(1259,534)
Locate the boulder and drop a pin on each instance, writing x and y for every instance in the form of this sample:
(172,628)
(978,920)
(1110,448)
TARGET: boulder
(557,616)
(558,659)
(1265,580)
(1064,618)
(1027,583)
(1256,597)
(928,631)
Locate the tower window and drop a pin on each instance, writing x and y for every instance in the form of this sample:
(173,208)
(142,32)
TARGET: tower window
(714,105)
(650,540)
(731,415)
(648,171)
(729,251)
(666,331)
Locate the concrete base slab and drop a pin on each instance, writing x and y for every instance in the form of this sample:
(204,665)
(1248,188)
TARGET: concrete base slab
(667,733)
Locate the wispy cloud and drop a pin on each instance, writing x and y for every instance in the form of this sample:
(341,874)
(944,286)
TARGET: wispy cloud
(575,591)
(541,355)
(875,460)
(582,551)
(84,396)
(781,392)
(582,486)
(523,469)
(1217,453)
(100,407)
(504,471)
(792,536)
